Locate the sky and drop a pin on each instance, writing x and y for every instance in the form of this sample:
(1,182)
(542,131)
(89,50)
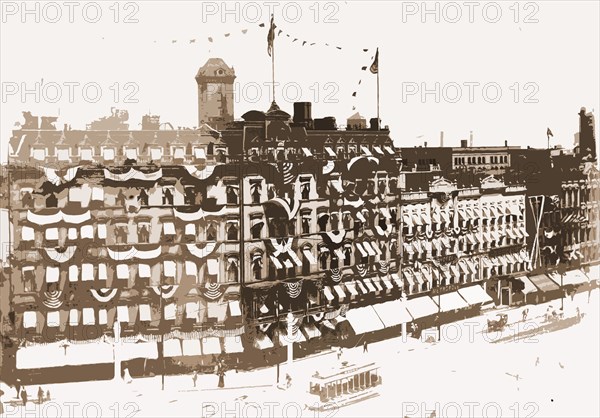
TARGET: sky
(505,72)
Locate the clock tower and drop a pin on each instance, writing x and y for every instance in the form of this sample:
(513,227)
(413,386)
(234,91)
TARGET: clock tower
(215,93)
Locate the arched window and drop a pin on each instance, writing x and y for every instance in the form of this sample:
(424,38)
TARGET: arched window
(232,231)
(232,269)
(211,233)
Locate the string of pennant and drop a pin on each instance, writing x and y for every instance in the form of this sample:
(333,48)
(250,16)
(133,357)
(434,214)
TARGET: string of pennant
(281,34)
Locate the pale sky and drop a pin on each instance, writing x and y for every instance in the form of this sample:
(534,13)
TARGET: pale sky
(558,56)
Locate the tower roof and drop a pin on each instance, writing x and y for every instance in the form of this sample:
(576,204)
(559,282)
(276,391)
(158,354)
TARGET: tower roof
(215,67)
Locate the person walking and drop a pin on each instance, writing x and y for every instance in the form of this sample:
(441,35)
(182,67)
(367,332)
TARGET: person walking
(18,387)
(40,395)
(525,313)
(195,377)
(365,347)
(221,374)
(24,396)
(339,353)
(47,395)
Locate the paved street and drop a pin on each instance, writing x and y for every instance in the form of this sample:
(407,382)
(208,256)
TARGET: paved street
(549,374)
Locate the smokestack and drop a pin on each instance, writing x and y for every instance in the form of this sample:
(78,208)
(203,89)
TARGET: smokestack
(425,144)
(506,142)
(441,139)
(463,143)
(471,139)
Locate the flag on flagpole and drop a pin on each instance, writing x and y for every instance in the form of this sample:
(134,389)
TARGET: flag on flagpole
(549,133)
(375,66)
(271,36)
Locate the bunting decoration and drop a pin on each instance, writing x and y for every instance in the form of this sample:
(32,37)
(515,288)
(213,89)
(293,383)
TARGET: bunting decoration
(56,179)
(383,267)
(52,299)
(211,291)
(336,275)
(165,291)
(133,174)
(201,252)
(293,289)
(362,270)
(288,173)
(103,295)
(61,256)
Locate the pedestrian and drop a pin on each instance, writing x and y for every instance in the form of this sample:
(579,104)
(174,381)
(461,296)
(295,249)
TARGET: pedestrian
(288,380)
(40,395)
(47,395)
(365,347)
(537,361)
(578,313)
(18,387)
(525,313)
(24,396)
(221,374)
(339,353)
(195,377)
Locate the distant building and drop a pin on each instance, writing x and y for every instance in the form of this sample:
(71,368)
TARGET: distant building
(215,93)
(587,135)
(356,121)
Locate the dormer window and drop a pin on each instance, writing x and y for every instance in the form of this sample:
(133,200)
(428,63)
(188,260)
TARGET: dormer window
(178,152)
(63,154)
(108,153)
(131,153)
(86,153)
(199,153)
(38,153)
(156,153)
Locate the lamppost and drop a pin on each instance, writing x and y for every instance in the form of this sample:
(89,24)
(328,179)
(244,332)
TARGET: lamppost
(562,269)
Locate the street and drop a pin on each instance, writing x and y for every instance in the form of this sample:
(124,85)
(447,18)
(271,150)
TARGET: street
(545,374)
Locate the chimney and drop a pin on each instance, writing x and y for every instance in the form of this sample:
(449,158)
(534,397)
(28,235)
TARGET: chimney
(463,143)
(425,144)
(441,139)
(471,139)
(506,142)
(302,112)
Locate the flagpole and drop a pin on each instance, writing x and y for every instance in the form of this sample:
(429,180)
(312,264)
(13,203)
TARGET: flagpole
(378,120)
(273,68)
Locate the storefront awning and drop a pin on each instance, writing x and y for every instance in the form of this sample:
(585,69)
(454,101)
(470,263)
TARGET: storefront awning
(364,320)
(450,302)
(475,295)
(571,277)
(172,347)
(369,285)
(211,345)
(351,288)
(262,341)
(328,294)
(529,287)
(421,307)
(392,313)
(191,347)
(543,283)
(311,331)
(217,310)
(340,292)
(233,344)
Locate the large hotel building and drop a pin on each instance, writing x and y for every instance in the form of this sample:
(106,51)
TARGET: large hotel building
(220,240)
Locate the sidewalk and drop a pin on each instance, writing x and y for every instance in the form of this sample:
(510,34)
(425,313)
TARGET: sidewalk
(261,383)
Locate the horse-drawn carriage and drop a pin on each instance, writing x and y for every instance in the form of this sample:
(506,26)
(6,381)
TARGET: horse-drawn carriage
(497,324)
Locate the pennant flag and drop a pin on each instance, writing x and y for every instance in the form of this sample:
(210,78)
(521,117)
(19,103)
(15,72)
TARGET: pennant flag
(313,44)
(549,133)
(364,68)
(353,107)
(227,35)
(288,35)
(375,66)
(271,36)
(354,94)
(326,44)
(192,41)
(210,39)
(303,43)
(244,31)
(359,81)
